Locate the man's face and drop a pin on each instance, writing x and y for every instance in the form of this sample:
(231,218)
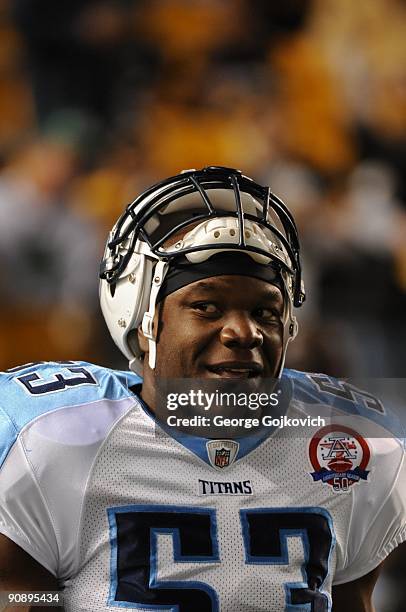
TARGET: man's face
(220,327)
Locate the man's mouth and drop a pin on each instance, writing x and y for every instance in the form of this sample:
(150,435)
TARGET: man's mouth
(234,369)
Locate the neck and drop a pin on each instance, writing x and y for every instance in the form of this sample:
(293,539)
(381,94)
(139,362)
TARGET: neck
(149,387)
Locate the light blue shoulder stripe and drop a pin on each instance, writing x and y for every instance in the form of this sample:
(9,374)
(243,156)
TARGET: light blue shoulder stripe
(8,435)
(26,392)
(314,388)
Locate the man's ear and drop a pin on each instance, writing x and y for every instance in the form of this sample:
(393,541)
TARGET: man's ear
(142,341)
(137,341)
(156,325)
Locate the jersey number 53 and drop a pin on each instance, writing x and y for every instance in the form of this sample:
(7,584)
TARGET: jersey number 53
(134,532)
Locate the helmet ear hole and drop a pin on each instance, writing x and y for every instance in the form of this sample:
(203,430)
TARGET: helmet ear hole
(112,288)
(132,339)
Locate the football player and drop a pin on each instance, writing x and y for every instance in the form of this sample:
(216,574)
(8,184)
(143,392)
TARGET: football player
(100,499)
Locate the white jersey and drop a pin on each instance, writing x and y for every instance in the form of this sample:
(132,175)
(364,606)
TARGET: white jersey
(125,515)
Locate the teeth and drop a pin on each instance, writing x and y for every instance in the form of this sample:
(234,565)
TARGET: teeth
(242,371)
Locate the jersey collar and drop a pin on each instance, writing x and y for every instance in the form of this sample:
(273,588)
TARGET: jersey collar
(236,449)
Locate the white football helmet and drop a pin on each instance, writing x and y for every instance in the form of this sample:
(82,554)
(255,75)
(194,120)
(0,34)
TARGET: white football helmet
(193,215)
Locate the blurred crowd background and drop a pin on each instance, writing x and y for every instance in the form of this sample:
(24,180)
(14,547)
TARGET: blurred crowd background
(98,99)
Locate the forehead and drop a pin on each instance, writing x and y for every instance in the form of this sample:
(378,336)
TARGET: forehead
(232,288)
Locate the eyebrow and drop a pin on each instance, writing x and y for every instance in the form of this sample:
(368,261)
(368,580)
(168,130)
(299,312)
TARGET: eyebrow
(204,285)
(270,292)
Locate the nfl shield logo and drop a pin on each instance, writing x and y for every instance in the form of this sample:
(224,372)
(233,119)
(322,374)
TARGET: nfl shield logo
(222,458)
(222,453)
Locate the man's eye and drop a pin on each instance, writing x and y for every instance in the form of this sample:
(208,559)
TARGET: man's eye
(266,314)
(206,307)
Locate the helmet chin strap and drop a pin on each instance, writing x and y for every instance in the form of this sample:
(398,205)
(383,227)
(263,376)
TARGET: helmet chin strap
(290,330)
(288,336)
(161,269)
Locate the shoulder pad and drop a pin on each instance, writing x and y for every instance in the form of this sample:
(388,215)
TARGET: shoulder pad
(32,389)
(310,388)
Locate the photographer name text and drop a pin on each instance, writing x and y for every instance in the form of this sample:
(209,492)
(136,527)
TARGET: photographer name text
(246,423)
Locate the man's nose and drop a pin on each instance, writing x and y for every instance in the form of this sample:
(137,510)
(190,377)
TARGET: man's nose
(240,331)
